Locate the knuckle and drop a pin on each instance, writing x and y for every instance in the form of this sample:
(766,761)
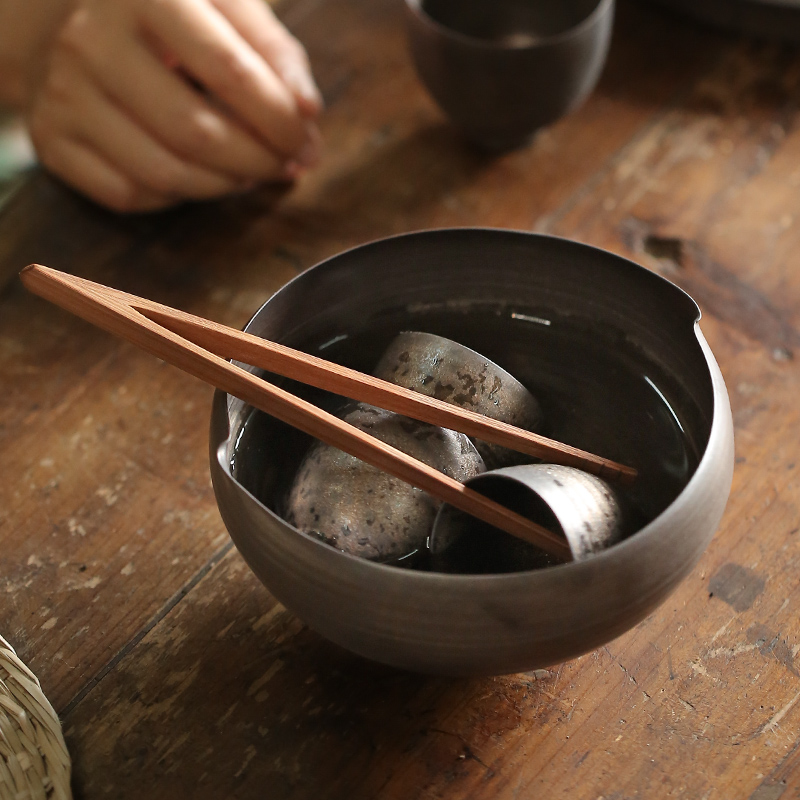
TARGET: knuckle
(232,70)
(198,134)
(76,34)
(58,81)
(167,177)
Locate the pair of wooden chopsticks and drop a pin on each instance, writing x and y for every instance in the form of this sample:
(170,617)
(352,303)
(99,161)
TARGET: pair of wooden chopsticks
(203,349)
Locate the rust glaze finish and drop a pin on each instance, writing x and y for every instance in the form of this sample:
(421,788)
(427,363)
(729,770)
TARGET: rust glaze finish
(444,369)
(357,508)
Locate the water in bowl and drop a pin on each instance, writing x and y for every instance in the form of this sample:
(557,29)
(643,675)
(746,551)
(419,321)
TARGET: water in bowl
(597,389)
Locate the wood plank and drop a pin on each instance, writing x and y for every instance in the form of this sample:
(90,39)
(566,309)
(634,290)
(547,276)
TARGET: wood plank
(232,691)
(685,159)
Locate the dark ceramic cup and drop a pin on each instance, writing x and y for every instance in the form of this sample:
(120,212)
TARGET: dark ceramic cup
(500,70)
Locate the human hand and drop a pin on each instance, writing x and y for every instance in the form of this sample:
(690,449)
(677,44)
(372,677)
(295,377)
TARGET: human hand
(144,103)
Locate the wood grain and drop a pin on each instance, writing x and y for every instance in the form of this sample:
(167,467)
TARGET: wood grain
(179,676)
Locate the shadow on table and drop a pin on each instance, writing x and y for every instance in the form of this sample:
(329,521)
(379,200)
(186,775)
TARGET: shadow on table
(231,695)
(393,184)
(49,223)
(177,255)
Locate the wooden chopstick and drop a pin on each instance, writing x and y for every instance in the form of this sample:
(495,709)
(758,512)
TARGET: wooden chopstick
(141,321)
(314,371)
(113,311)
(229,343)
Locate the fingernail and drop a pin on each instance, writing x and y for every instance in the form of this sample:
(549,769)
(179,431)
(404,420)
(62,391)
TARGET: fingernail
(291,171)
(301,83)
(309,154)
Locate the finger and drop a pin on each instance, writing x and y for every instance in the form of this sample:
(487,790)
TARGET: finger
(51,120)
(165,105)
(257,24)
(136,154)
(211,50)
(92,175)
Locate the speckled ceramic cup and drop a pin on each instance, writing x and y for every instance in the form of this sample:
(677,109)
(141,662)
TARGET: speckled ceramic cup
(569,502)
(439,367)
(361,510)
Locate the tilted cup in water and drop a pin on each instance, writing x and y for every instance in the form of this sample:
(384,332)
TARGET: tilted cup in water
(439,367)
(579,506)
(361,510)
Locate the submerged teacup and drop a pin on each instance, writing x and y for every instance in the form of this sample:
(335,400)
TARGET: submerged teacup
(358,509)
(579,506)
(439,367)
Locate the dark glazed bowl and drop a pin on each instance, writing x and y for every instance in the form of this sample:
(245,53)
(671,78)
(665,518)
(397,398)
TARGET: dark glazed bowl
(500,70)
(476,279)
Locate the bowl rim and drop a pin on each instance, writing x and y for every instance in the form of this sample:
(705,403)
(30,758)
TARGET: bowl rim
(630,264)
(601,8)
(627,546)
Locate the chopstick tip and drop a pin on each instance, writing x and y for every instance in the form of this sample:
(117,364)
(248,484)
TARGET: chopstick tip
(26,273)
(627,475)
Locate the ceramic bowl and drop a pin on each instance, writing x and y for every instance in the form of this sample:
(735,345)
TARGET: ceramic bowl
(502,69)
(617,361)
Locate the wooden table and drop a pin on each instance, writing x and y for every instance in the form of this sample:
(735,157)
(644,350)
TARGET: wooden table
(175,672)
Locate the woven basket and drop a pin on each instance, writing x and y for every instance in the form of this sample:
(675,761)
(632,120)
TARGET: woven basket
(34,762)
